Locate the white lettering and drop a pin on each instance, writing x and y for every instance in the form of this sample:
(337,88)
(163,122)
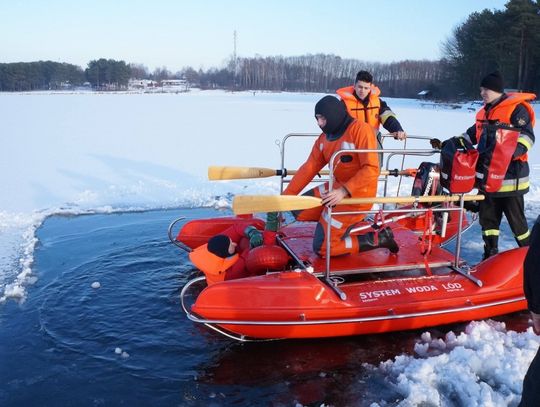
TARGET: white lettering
(452,286)
(463,177)
(374,295)
(421,289)
(495,176)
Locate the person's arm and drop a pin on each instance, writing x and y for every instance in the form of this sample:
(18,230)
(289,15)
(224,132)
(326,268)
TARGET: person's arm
(521,119)
(308,170)
(390,122)
(531,276)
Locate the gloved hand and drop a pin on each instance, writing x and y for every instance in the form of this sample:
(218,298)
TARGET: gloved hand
(254,235)
(435,143)
(520,150)
(272,221)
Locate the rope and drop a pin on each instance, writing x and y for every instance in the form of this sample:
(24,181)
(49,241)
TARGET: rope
(427,239)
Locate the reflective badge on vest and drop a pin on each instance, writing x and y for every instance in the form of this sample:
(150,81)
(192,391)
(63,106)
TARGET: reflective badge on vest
(495,153)
(458,165)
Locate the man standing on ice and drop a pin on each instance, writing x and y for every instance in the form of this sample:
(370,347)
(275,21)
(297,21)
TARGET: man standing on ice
(355,175)
(504,134)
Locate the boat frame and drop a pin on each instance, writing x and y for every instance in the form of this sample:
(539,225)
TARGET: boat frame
(333,279)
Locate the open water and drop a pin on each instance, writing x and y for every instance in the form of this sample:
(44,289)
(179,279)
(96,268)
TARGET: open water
(129,343)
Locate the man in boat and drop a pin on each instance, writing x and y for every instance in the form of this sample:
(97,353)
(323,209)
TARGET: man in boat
(224,256)
(355,175)
(504,134)
(363,104)
(531,285)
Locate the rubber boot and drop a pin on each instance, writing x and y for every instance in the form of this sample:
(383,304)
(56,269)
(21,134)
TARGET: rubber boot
(386,240)
(491,246)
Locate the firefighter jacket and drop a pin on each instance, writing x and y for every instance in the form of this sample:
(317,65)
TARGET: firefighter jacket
(357,172)
(511,112)
(371,110)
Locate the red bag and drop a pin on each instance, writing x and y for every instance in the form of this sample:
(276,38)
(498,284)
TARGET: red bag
(496,149)
(458,165)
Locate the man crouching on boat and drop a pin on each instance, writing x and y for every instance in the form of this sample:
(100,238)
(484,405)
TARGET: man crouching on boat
(355,175)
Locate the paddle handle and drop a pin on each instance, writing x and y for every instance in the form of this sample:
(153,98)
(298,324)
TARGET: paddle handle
(216,173)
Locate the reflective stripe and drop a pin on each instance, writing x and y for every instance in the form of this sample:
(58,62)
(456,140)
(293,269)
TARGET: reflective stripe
(321,146)
(526,141)
(347,146)
(513,181)
(510,185)
(386,115)
(335,223)
(490,232)
(348,242)
(524,235)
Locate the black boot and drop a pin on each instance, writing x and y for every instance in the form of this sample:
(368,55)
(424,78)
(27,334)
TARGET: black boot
(386,240)
(491,246)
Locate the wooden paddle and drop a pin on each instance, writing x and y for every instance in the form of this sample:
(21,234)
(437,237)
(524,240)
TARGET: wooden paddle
(244,204)
(216,173)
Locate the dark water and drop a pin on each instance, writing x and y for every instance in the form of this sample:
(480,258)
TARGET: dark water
(58,348)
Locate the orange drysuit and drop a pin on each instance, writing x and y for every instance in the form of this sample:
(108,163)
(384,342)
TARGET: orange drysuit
(357,172)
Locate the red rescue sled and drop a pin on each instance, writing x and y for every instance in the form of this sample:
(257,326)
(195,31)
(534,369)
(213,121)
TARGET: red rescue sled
(423,285)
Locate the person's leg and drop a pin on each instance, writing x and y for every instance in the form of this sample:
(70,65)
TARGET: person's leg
(342,243)
(514,210)
(311,214)
(490,215)
(531,389)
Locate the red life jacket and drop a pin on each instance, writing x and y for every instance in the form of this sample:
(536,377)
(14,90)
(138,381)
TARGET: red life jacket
(497,141)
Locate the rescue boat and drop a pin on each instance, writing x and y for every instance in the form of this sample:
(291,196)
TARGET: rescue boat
(425,284)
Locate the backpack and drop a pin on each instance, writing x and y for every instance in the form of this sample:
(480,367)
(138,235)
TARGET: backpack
(427,180)
(458,165)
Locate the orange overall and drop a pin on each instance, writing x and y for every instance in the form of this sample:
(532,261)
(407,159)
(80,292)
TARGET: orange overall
(356,172)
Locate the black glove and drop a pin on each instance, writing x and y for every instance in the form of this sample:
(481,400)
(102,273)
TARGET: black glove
(254,235)
(520,150)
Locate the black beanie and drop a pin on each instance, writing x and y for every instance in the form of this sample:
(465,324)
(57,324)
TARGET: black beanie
(493,81)
(335,113)
(219,245)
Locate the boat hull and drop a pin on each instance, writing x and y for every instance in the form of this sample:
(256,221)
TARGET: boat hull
(299,305)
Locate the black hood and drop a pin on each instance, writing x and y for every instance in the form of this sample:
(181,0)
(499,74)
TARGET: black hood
(335,113)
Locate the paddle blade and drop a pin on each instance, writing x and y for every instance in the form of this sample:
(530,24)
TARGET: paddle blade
(244,204)
(221,173)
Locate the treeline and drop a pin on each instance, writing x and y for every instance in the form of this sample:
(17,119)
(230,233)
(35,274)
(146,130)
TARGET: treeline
(507,40)
(317,73)
(38,75)
(49,75)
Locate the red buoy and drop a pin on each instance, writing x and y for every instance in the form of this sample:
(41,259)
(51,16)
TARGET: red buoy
(265,258)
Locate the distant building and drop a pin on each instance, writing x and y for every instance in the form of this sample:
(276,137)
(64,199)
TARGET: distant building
(179,85)
(141,84)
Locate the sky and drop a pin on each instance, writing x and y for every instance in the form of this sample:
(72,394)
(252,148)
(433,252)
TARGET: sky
(179,33)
